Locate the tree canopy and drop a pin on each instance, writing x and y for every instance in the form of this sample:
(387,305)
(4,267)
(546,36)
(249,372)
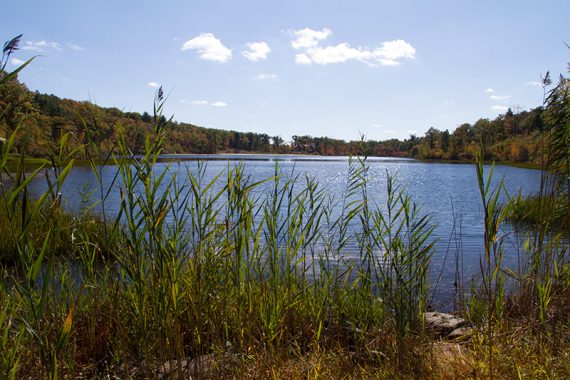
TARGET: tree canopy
(513,136)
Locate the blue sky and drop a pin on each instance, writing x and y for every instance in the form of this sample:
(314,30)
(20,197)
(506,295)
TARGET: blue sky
(323,68)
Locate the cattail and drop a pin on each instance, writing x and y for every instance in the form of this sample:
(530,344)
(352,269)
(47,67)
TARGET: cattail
(160,94)
(11,46)
(546,81)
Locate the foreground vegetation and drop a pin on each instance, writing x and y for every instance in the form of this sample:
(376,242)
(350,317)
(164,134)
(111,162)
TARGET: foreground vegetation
(252,279)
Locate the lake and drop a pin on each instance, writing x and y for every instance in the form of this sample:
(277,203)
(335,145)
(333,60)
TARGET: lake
(447,192)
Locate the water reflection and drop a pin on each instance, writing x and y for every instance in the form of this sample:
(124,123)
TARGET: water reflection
(447,192)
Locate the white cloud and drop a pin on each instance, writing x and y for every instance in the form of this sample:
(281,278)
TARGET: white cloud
(389,53)
(17,62)
(534,83)
(265,76)
(44,46)
(264,104)
(396,49)
(386,55)
(306,38)
(489,91)
(334,54)
(302,59)
(207,103)
(41,46)
(499,108)
(256,51)
(75,47)
(209,48)
(153,84)
(499,97)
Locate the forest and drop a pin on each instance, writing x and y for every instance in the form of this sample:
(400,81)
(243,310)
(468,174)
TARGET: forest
(510,137)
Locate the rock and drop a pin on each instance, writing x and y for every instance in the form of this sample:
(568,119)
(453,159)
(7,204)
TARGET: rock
(442,323)
(460,332)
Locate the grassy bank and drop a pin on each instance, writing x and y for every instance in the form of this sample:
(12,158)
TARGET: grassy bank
(523,165)
(551,212)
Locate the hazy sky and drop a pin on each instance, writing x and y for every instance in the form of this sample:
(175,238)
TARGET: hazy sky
(325,68)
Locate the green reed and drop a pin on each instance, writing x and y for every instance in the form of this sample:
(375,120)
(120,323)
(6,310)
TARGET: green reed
(222,264)
(34,271)
(491,261)
(200,266)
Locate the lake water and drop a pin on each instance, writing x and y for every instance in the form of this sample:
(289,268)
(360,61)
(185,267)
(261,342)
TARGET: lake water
(446,192)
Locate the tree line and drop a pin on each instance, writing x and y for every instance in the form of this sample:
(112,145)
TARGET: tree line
(43,118)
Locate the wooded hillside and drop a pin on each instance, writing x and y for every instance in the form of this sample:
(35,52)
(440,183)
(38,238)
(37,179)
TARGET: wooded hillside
(510,137)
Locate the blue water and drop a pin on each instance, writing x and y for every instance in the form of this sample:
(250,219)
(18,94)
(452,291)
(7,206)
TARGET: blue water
(448,193)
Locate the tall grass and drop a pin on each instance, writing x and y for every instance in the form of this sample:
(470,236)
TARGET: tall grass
(492,259)
(544,281)
(194,264)
(203,266)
